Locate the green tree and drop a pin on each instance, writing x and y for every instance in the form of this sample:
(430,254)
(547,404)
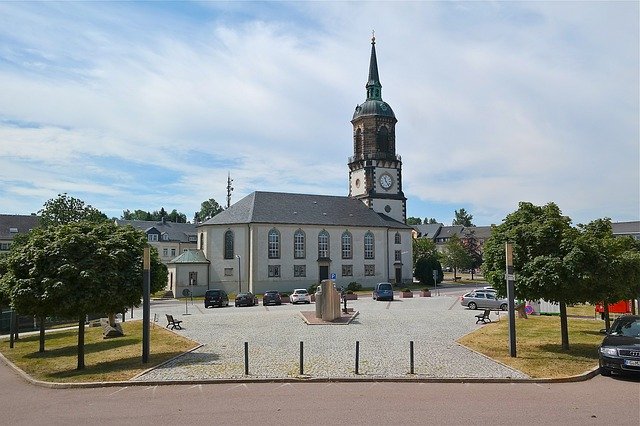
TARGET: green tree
(472,246)
(430,220)
(604,265)
(66,209)
(455,255)
(424,270)
(541,238)
(462,218)
(80,268)
(423,248)
(177,217)
(209,209)
(414,221)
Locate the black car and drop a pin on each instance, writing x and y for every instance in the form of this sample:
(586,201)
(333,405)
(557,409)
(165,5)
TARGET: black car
(271,297)
(246,299)
(620,349)
(216,298)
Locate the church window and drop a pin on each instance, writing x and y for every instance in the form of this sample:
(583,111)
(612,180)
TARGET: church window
(398,256)
(398,239)
(298,245)
(382,139)
(359,147)
(369,270)
(274,271)
(369,252)
(299,270)
(323,245)
(274,244)
(201,240)
(228,244)
(193,278)
(346,245)
(228,272)
(347,270)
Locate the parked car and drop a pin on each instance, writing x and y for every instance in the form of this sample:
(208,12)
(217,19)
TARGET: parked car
(300,295)
(216,297)
(246,299)
(620,349)
(484,299)
(271,297)
(383,291)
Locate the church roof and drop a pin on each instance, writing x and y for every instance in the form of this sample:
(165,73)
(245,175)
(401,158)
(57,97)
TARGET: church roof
(191,256)
(302,209)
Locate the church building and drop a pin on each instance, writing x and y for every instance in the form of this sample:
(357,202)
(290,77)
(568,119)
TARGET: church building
(281,241)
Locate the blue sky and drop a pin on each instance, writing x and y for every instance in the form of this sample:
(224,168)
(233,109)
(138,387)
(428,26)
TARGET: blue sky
(148,105)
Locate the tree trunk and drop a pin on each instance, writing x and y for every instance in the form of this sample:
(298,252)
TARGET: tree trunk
(633,306)
(112,320)
(81,342)
(607,320)
(564,327)
(471,274)
(41,335)
(455,269)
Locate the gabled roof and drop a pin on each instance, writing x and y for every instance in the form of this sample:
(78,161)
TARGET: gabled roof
(191,256)
(449,231)
(428,230)
(481,232)
(176,231)
(302,209)
(20,223)
(626,228)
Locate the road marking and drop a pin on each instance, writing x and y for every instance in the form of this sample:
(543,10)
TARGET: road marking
(197,386)
(241,385)
(388,304)
(454,304)
(121,389)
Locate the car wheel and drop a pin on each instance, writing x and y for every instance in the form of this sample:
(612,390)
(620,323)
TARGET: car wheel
(605,371)
(472,306)
(307,302)
(503,307)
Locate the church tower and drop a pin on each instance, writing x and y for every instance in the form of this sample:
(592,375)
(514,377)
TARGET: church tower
(375,171)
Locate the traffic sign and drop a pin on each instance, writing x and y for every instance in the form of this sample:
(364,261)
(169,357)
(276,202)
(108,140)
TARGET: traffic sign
(333,275)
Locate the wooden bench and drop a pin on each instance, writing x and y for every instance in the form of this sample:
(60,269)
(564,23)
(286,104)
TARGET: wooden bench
(484,317)
(174,323)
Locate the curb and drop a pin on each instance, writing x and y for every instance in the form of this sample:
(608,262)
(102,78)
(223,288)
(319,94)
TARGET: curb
(415,379)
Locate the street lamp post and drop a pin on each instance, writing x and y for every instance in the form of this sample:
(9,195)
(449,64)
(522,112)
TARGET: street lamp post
(239,277)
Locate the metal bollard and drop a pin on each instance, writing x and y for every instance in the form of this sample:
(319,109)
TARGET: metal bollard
(246,358)
(301,358)
(357,355)
(411,356)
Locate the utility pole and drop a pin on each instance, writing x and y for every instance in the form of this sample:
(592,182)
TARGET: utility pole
(229,189)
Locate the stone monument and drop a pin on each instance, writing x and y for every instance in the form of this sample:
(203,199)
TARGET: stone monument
(327,301)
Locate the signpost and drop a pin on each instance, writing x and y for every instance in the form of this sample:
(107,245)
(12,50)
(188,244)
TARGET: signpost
(511,296)
(186,293)
(146,303)
(435,282)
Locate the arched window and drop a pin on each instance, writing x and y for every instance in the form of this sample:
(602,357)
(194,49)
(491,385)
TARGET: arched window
(323,245)
(298,245)
(398,239)
(346,245)
(358,146)
(228,244)
(369,252)
(382,139)
(274,244)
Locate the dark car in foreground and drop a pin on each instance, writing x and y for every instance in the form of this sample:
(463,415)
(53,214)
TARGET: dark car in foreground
(383,291)
(216,298)
(245,299)
(271,297)
(620,349)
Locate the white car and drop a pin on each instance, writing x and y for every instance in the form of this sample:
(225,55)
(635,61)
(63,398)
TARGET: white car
(300,295)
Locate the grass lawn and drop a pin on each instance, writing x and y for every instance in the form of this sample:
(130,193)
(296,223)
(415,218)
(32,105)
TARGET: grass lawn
(538,345)
(105,359)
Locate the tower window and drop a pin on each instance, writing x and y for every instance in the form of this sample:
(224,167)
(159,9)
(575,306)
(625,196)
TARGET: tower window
(398,239)
(382,139)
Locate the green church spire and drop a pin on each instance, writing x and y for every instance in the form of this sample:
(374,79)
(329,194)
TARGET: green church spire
(374,88)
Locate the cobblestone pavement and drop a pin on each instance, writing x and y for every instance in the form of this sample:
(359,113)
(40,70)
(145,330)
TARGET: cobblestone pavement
(274,333)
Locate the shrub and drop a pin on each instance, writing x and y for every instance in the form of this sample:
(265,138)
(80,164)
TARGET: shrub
(349,291)
(312,288)
(406,289)
(284,294)
(354,286)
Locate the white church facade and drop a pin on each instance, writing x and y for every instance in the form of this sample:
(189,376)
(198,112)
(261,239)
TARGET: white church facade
(281,241)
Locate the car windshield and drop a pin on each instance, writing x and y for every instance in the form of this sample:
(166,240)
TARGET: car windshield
(628,328)
(300,291)
(213,293)
(384,287)
(271,293)
(243,294)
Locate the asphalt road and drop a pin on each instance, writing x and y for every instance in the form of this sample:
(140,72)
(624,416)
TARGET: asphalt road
(601,400)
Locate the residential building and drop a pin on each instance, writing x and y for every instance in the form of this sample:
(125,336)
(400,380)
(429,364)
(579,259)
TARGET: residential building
(12,225)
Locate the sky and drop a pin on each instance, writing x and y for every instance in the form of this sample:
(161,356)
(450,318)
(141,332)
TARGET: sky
(143,105)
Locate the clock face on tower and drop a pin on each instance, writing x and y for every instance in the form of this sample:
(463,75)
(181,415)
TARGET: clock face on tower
(386,181)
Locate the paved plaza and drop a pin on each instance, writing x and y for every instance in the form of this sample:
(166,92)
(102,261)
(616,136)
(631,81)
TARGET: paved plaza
(274,333)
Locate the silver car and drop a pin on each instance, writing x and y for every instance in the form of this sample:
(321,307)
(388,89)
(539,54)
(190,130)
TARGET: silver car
(483,300)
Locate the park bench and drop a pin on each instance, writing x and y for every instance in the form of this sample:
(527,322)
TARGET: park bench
(484,317)
(174,323)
